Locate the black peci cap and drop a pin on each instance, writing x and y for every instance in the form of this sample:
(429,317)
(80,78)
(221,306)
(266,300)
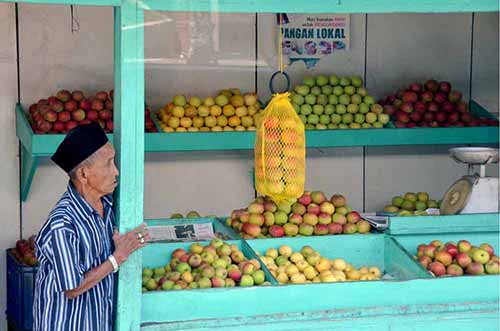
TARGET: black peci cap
(80,143)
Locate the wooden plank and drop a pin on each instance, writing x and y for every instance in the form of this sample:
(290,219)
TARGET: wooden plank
(444,224)
(129,143)
(69,2)
(199,304)
(458,316)
(322,6)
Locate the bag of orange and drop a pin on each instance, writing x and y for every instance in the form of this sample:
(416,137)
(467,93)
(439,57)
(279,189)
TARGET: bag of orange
(280,154)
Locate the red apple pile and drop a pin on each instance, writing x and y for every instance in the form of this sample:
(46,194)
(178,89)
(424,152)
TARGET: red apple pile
(311,214)
(24,252)
(432,104)
(62,112)
(457,259)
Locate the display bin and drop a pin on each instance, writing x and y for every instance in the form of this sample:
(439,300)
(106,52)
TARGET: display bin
(221,230)
(411,242)
(359,250)
(413,297)
(470,223)
(20,291)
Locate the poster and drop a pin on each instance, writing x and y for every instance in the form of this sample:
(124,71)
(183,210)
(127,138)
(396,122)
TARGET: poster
(309,37)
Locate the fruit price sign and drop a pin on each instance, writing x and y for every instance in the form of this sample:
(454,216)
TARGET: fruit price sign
(308,38)
(182,232)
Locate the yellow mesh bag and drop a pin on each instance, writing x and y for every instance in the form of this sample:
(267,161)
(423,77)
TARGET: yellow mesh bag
(280,154)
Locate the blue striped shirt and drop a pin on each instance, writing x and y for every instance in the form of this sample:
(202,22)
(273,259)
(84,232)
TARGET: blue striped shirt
(74,240)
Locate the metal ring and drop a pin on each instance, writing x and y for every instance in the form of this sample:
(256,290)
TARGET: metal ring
(271,88)
(141,240)
(139,235)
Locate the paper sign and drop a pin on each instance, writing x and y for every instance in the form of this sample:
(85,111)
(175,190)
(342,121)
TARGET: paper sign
(182,232)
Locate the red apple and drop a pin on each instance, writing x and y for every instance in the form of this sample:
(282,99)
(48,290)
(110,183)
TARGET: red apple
(58,126)
(50,116)
(77,96)
(416,117)
(63,95)
(389,109)
(444,87)
(390,99)
(425,261)
(109,125)
(440,98)
(71,125)
(463,260)
(455,96)
(105,114)
(85,104)
(411,125)
(402,116)
(410,97)
(64,116)
(335,228)
(276,231)
(454,270)
(466,117)
(109,104)
(78,115)
(420,107)
(71,106)
(437,268)
(453,117)
(431,85)
(399,124)
(427,96)
(462,107)
(429,117)
(452,249)
(97,105)
(448,107)
(433,107)
(444,257)
(441,117)
(92,115)
(416,87)
(102,96)
(407,107)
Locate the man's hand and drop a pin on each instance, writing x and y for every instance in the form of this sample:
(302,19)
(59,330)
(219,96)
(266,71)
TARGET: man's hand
(126,244)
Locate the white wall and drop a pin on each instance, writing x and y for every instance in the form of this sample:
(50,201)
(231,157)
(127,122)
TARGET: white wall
(220,52)
(9,192)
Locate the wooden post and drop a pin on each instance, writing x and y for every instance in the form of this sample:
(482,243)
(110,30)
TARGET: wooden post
(129,144)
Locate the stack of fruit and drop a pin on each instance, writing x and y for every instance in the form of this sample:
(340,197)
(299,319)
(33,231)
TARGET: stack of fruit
(431,104)
(228,111)
(24,252)
(411,204)
(336,103)
(217,264)
(191,214)
(456,259)
(65,110)
(308,266)
(311,214)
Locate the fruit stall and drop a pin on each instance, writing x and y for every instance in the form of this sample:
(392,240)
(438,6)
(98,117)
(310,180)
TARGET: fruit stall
(311,262)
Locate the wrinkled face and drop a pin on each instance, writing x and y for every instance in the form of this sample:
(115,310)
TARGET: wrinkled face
(101,175)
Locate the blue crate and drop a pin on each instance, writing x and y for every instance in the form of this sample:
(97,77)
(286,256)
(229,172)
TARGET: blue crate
(20,291)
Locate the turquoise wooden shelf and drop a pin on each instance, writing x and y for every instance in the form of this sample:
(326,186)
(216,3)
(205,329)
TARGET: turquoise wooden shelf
(70,2)
(35,146)
(322,6)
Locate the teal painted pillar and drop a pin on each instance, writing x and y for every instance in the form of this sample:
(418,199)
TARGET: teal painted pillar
(129,144)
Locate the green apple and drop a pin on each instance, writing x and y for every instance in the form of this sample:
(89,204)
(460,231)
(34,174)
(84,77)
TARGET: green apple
(302,90)
(410,197)
(344,99)
(309,81)
(338,90)
(349,90)
(397,201)
(362,91)
(321,80)
(344,81)
(359,118)
(305,109)
(246,280)
(352,108)
(298,99)
(333,99)
(313,119)
(481,256)
(329,109)
(322,99)
(310,99)
(347,118)
(356,99)
(327,90)
(334,80)
(258,277)
(336,118)
(324,119)
(364,108)
(341,109)
(316,90)
(318,109)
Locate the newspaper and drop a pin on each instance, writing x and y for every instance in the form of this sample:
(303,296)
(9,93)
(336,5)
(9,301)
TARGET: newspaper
(181,232)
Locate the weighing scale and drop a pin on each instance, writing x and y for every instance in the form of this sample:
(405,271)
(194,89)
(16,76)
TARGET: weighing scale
(474,193)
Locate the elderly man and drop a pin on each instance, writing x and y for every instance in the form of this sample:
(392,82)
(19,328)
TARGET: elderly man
(78,249)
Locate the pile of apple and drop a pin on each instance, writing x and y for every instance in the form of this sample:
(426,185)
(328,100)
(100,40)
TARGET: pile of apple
(62,112)
(411,204)
(228,111)
(311,214)
(457,259)
(308,266)
(217,264)
(432,104)
(191,214)
(336,103)
(24,252)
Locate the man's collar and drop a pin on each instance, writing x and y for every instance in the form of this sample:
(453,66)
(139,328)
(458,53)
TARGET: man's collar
(83,204)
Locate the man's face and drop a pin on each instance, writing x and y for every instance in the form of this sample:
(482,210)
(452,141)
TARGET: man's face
(102,174)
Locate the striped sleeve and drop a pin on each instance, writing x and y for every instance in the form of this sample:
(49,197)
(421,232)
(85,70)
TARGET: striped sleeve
(66,260)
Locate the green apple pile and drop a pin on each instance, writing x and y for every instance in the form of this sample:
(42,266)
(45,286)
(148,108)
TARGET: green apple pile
(411,204)
(311,214)
(190,214)
(457,259)
(336,103)
(228,111)
(308,266)
(217,264)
